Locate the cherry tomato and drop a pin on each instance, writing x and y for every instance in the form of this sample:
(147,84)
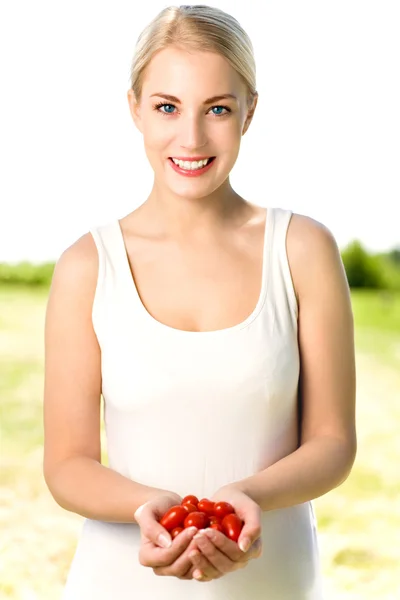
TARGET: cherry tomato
(174,517)
(232,526)
(189,507)
(221,509)
(217,526)
(176,531)
(196,519)
(191,500)
(206,506)
(214,520)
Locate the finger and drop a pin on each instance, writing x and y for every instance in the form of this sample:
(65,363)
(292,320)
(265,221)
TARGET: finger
(200,568)
(251,529)
(231,549)
(189,573)
(217,560)
(204,571)
(154,531)
(182,567)
(199,575)
(151,555)
(224,544)
(255,549)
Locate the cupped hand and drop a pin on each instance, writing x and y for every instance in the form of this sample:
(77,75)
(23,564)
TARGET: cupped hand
(149,514)
(165,556)
(223,554)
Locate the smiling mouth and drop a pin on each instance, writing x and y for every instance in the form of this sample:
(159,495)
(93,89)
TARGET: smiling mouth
(192,165)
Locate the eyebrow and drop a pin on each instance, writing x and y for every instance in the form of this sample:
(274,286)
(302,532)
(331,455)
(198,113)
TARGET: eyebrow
(208,101)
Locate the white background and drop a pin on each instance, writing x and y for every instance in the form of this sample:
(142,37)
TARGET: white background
(325,139)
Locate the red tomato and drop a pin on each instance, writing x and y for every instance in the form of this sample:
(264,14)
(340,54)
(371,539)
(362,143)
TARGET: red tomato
(232,526)
(206,506)
(176,531)
(174,517)
(189,507)
(214,520)
(191,500)
(196,519)
(221,509)
(217,526)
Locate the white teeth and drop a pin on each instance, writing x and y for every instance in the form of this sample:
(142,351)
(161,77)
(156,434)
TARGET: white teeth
(191,166)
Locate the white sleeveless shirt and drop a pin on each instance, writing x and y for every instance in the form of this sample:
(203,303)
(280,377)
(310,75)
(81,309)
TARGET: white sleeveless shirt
(193,411)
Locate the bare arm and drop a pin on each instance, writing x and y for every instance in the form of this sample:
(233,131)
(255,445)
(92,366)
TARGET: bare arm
(72,450)
(327,379)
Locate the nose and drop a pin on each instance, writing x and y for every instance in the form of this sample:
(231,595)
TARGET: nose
(192,132)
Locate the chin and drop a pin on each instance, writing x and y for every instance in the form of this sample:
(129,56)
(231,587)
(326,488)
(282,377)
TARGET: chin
(190,193)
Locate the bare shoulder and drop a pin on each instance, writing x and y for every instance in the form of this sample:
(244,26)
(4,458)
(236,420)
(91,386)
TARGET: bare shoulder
(73,286)
(78,262)
(313,254)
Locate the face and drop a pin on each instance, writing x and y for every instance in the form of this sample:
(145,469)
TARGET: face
(180,116)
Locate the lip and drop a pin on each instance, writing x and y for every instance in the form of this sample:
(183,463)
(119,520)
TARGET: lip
(191,158)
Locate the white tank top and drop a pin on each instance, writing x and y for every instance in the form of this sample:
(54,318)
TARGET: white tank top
(190,412)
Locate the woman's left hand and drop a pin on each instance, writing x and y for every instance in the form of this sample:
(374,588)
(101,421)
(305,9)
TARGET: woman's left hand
(223,554)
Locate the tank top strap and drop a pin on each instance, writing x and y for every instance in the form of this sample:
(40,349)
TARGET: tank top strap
(111,267)
(281,287)
(108,243)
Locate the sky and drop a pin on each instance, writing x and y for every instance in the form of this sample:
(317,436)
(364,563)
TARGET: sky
(324,141)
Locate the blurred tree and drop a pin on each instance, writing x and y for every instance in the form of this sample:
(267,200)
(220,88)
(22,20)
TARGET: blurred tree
(394,255)
(362,269)
(26,273)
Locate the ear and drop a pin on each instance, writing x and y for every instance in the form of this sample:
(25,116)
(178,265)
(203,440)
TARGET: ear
(134,108)
(250,113)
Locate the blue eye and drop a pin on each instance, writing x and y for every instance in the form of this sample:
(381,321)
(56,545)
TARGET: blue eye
(168,106)
(218,108)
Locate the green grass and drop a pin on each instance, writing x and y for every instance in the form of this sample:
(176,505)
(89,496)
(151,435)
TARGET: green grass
(376,310)
(377,320)
(358,522)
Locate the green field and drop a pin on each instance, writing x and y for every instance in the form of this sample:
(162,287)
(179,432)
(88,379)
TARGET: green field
(359,522)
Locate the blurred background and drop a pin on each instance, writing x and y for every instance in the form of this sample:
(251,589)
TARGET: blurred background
(324,142)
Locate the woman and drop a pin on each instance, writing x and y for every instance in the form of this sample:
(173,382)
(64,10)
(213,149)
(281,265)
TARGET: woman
(220,335)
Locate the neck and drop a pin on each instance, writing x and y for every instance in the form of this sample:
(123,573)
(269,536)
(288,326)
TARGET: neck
(180,217)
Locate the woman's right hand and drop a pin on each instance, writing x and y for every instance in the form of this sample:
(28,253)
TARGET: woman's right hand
(157,550)
(149,514)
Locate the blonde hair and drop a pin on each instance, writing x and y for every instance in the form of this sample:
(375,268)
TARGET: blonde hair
(195,27)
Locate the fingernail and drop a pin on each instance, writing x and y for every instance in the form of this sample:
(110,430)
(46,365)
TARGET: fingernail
(191,530)
(197,574)
(163,541)
(244,545)
(209,533)
(193,554)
